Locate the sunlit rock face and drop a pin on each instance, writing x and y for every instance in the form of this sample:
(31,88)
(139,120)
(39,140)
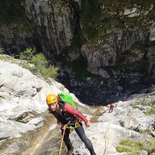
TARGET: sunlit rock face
(23,109)
(22,102)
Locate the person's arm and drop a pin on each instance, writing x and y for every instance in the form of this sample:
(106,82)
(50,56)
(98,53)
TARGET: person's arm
(73,111)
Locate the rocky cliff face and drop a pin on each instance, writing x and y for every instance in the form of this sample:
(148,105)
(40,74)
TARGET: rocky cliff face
(25,127)
(22,103)
(55,22)
(113,40)
(46,25)
(107,34)
(122,35)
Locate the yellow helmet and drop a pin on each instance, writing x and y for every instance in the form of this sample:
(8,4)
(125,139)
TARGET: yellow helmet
(51,99)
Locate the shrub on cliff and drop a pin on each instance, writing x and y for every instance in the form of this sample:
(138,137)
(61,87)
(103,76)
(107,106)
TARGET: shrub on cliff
(40,62)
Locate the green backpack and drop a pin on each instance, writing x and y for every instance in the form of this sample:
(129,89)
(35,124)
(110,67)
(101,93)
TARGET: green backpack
(66,97)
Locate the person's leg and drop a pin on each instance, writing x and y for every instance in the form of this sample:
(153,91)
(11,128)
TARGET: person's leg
(67,140)
(81,133)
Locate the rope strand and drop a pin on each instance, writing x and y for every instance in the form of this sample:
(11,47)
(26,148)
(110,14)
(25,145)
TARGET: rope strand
(63,134)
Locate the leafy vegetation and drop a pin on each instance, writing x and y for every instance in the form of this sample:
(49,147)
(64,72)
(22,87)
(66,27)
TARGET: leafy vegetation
(1,50)
(131,147)
(41,65)
(27,54)
(40,62)
(146,102)
(151,111)
(28,58)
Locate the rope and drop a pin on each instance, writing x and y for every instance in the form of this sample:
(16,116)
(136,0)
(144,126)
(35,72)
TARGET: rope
(63,134)
(71,128)
(104,153)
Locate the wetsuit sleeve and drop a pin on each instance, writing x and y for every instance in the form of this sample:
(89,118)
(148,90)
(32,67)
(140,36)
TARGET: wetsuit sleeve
(73,111)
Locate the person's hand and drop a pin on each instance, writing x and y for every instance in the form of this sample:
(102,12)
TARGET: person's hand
(87,124)
(63,127)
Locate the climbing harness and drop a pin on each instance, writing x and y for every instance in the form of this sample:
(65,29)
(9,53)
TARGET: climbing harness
(71,128)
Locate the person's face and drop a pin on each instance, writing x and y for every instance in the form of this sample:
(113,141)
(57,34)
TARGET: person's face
(53,106)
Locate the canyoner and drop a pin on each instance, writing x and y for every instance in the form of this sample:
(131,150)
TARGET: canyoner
(63,107)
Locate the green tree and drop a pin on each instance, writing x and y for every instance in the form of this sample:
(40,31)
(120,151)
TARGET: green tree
(41,65)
